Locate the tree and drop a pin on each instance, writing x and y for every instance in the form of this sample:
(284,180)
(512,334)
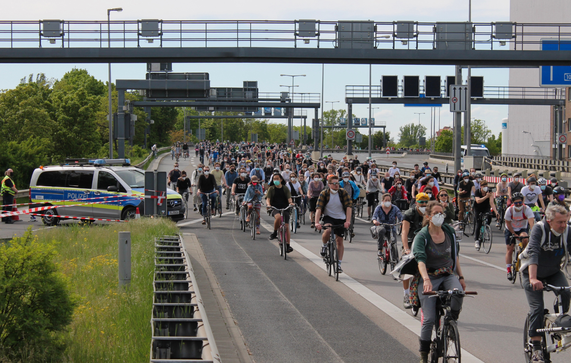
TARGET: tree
(410,134)
(495,145)
(444,141)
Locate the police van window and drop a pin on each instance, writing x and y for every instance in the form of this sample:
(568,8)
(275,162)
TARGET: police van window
(105,180)
(79,179)
(51,179)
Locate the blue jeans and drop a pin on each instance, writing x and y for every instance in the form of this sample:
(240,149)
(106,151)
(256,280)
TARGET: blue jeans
(203,196)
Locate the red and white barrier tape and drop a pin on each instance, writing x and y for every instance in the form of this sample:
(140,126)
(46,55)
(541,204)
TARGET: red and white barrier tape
(69,200)
(41,209)
(79,218)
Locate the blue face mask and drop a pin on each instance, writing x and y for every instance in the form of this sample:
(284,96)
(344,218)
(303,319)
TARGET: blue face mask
(542,187)
(276,182)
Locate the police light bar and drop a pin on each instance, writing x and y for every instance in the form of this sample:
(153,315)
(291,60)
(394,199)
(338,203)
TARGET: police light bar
(100,162)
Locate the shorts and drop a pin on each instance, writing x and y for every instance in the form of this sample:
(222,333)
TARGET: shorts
(371,197)
(507,235)
(285,215)
(338,231)
(313,204)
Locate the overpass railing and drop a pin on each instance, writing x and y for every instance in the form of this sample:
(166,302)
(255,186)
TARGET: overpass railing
(409,35)
(531,163)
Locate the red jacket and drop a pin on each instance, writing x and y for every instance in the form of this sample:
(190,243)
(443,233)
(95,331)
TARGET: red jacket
(393,189)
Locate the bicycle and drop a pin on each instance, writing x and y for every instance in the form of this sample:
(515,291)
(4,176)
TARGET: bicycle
(389,254)
(294,218)
(359,209)
(219,203)
(349,232)
(208,215)
(242,211)
(501,203)
(331,257)
(485,233)
(185,201)
(230,202)
(282,231)
(559,334)
(515,258)
(446,343)
(469,219)
(254,219)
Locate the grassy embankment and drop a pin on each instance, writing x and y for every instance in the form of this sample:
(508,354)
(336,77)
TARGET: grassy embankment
(110,324)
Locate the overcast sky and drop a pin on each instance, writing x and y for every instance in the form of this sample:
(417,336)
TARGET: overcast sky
(268,76)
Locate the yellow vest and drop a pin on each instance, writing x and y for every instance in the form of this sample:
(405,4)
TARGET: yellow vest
(6,189)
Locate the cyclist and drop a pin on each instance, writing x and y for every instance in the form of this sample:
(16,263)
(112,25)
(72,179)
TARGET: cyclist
(515,186)
(411,224)
(397,191)
(546,191)
(185,149)
(549,246)
(484,201)
(448,207)
(502,195)
(394,170)
(259,172)
(253,199)
(295,190)
(359,178)
(183,186)
(532,194)
(286,173)
(230,176)
(313,191)
(304,187)
(385,213)
(373,188)
(350,186)
(519,220)
(279,197)
(206,185)
(334,204)
(220,179)
(559,197)
(466,190)
(194,181)
(173,176)
(429,188)
(436,252)
(240,186)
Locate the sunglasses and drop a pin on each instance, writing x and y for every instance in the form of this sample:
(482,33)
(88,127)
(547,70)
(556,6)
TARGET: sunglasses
(336,183)
(518,203)
(421,202)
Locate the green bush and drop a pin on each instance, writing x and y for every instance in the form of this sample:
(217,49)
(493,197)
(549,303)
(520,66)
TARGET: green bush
(35,302)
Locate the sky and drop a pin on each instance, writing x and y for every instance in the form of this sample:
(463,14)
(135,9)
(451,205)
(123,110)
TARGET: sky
(268,75)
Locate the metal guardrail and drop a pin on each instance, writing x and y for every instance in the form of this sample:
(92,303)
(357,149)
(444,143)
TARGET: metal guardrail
(272,33)
(530,163)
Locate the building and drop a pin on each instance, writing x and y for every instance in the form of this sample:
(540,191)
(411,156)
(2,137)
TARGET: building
(530,128)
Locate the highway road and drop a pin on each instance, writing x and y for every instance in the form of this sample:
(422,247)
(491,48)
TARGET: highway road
(291,311)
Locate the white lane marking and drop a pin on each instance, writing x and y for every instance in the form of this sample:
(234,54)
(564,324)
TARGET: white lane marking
(483,262)
(382,304)
(183,224)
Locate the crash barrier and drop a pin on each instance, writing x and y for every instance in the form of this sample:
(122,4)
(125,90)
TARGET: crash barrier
(531,163)
(159,150)
(180,328)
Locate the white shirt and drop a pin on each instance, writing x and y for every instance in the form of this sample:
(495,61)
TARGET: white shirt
(286,174)
(393,171)
(529,196)
(334,207)
(296,186)
(519,219)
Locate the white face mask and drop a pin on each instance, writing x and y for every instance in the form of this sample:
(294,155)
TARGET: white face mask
(374,178)
(422,209)
(346,180)
(387,204)
(316,179)
(504,179)
(516,180)
(431,184)
(243,174)
(518,209)
(206,172)
(485,189)
(217,168)
(293,179)
(438,219)
(333,191)
(358,172)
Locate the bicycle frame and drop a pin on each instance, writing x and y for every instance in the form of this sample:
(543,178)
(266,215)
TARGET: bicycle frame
(282,232)
(560,336)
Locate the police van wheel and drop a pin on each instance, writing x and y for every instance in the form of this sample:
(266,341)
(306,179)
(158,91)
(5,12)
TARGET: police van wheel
(128,213)
(48,219)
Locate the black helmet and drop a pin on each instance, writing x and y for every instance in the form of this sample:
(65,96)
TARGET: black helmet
(517,195)
(559,190)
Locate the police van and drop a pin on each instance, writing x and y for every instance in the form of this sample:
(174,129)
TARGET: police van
(70,184)
(479,152)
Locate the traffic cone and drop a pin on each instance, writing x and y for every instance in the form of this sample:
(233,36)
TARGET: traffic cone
(137,214)
(16,217)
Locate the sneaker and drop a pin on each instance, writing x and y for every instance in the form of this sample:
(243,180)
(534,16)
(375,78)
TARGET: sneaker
(289,249)
(339,269)
(477,245)
(203,222)
(352,235)
(369,218)
(537,356)
(379,253)
(298,226)
(323,251)
(273,236)
(195,209)
(406,302)
(312,225)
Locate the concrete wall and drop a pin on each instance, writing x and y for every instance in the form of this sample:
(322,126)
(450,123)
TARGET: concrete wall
(533,119)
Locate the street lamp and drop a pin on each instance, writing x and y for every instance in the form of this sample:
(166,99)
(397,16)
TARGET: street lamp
(109,84)
(290,123)
(332,102)
(370,128)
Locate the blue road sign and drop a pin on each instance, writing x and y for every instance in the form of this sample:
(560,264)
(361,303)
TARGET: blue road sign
(553,76)
(422,95)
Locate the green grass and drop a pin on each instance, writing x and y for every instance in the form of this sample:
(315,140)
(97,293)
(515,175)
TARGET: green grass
(110,324)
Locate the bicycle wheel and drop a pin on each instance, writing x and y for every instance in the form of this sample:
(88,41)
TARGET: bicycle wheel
(471,223)
(294,217)
(336,264)
(332,260)
(515,269)
(219,204)
(383,259)
(451,346)
(242,219)
(394,255)
(208,215)
(327,260)
(487,239)
(253,217)
(284,245)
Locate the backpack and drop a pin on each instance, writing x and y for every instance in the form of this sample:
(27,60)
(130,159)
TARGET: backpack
(258,173)
(524,256)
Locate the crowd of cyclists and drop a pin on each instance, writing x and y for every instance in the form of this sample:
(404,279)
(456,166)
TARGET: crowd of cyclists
(430,220)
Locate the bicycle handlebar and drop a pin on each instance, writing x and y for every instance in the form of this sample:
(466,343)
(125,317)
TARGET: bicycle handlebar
(549,287)
(283,209)
(328,225)
(450,292)
(388,224)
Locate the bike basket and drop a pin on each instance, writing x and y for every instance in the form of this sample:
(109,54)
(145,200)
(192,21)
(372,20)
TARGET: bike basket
(458,230)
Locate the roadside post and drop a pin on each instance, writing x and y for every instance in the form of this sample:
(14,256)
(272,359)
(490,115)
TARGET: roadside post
(124,258)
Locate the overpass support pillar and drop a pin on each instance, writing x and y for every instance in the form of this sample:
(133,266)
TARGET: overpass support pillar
(349,127)
(457,127)
(120,123)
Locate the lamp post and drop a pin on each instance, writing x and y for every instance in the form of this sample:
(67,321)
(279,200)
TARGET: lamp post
(418,131)
(332,121)
(371,126)
(290,119)
(109,84)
